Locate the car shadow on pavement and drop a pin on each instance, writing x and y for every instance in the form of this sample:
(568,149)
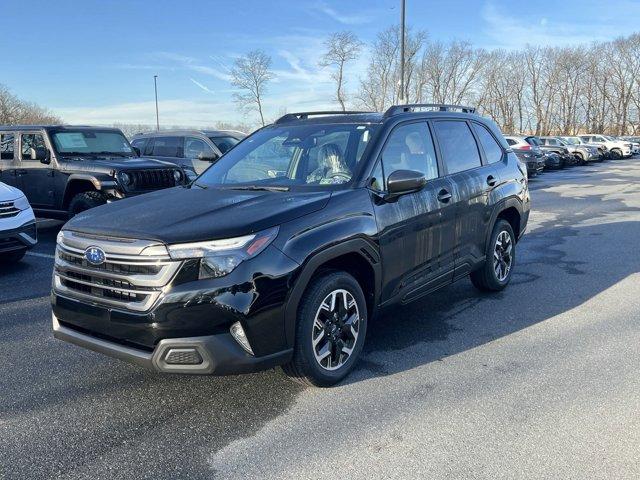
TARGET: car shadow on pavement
(562,264)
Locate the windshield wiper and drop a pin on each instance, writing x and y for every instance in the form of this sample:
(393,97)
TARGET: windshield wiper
(119,154)
(268,188)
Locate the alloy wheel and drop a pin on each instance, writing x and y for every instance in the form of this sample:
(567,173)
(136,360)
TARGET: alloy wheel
(335,329)
(502,255)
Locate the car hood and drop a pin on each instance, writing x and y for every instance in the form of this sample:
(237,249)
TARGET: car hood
(9,193)
(102,164)
(182,215)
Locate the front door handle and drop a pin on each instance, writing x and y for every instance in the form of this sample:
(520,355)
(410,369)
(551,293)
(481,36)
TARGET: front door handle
(444,196)
(491,181)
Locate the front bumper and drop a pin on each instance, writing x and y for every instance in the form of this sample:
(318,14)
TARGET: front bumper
(217,354)
(19,232)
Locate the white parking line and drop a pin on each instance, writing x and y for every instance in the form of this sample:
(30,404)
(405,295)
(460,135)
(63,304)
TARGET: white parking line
(41,255)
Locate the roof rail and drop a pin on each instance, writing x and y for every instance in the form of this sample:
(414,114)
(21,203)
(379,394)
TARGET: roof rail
(438,107)
(304,115)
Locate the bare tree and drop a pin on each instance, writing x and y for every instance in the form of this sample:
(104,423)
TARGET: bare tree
(14,111)
(251,74)
(342,47)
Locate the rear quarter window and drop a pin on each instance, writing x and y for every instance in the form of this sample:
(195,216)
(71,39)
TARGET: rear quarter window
(492,150)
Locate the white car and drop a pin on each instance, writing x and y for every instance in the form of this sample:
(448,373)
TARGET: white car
(18,232)
(616,148)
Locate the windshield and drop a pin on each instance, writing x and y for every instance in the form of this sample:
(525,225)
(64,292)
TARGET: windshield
(562,142)
(91,142)
(572,140)
(224,144)
(293,156)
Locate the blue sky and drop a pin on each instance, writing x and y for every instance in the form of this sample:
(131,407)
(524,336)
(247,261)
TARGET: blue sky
(94,61)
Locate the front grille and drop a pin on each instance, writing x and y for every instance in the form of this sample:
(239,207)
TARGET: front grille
(152,179)
(8,209)
(131,278)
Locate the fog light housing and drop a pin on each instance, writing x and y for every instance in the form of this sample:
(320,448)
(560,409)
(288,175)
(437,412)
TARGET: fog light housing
(183,356)
(237,332)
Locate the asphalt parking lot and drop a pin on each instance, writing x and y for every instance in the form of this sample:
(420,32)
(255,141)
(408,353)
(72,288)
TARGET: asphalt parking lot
(539,381)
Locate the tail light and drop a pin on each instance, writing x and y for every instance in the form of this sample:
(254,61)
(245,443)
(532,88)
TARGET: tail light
(524,147)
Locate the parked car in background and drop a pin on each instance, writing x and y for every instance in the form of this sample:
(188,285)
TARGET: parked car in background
(534,164)
(245,269)
(583,153)
(520,144)
(193,150)
(18,232)
(577,141)
(635,144)
(566,157)
(64,170)
(617,148)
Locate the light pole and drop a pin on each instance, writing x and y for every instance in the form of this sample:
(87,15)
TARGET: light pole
(155,86)
(403,100)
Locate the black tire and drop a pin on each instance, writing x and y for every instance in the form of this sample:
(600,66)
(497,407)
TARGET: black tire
(85,201)
(304,367)
(616,154)
(12,257)
(580,158)
(486,278)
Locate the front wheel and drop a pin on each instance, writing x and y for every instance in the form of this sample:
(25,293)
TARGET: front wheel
(84,201)
(330,333)
(496,272)
(616,154)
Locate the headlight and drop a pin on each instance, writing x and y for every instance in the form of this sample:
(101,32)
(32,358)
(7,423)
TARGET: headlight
(177,176)
(220,257)
(124,178)
(22,203)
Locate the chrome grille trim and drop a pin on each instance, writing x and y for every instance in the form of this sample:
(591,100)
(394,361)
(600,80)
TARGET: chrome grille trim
(121,281)
(8,209)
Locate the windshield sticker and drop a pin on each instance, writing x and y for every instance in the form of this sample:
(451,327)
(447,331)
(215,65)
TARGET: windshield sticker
(71,140)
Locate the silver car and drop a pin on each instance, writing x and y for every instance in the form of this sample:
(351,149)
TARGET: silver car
(193,150)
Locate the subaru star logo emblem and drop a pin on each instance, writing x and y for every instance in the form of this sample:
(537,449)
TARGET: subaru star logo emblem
(95,255)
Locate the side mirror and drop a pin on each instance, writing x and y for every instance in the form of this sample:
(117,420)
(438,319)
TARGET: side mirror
(136,150)
(211,157)
(41,154)
(402,182)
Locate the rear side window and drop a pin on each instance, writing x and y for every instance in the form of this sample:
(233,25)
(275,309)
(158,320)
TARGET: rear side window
(492,150)
(224,144)
(167,147)
(7,146)
(511,141)
(457,145)
(30,142)
(410,147)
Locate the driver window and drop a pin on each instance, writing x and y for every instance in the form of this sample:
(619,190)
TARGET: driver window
(410,147)
(195,146)
(29,144)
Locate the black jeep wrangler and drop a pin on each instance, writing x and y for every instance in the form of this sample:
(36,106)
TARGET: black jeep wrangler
(64,170)
(281,252)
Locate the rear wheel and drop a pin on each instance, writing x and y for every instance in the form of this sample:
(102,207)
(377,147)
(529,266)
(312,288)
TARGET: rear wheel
(84,201)
(496,272)
(12,257)
(330,332)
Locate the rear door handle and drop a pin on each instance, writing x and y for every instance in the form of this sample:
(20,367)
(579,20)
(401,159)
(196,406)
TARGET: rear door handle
(491,181)
(444,196)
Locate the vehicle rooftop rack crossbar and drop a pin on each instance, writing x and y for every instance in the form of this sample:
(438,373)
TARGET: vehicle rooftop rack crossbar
(416,107)
(304,115)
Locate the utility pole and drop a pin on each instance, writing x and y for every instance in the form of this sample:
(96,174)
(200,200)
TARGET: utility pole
(155,86)
(403,100)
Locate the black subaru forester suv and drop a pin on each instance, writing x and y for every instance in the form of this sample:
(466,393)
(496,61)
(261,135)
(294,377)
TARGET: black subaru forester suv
(282,251)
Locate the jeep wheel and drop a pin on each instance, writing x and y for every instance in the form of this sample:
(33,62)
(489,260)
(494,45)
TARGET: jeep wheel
(500,259)
(330,333)
(85,201)
(12,257)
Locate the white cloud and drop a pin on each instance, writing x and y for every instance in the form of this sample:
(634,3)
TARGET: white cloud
(355,19)
(203,87)
(516,32)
